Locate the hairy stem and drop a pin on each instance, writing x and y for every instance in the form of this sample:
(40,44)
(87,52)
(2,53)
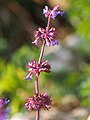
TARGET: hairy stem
(36,85)
(37,115)
(39,61)
(42,51)
(37,92)
(48,24)
(43,45)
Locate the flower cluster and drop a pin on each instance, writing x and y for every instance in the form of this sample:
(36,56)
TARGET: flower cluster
(52,13)
(35,68)
(47,36)
(4,111)
(38,101)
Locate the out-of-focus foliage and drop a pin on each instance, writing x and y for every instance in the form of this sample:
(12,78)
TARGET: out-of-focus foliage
(18,20)
(85,86)
(11,85)
(79,15)
(24,54)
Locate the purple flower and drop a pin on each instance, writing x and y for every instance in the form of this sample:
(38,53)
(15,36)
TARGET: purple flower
(46,11)
(47,36)
(3,102)
(38,101)
(52,13)
(4,111)
(34,68)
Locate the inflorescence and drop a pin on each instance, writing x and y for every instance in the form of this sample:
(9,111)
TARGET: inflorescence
(47,36)
(38,101)
(35,68)
(52,13)
(4,110)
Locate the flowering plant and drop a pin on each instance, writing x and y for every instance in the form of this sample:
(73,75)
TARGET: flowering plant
(47,35)
(4,110)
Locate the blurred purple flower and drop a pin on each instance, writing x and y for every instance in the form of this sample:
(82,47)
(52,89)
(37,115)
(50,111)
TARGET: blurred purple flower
(35,68)
(4,110)
(38,101)
(47,36)
(52,13)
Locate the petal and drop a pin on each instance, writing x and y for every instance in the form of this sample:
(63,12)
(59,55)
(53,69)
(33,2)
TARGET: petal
(41,30)
(47,42)
(54,42)
(36,34)
(56,8)
(29,76)
(28,65)
(52,29)
(6,102)
(36,41)
(45,10)
(54,14)
(61,13)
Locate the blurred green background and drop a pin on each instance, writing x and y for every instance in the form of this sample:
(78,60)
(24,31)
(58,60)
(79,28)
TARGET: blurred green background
(70,61)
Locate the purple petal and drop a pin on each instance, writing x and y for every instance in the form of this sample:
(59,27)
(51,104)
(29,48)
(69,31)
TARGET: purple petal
(61,13)
(29,76)
(6,102)
(36,41)
(54,42)
(54,14)
(6,113)
(28,65)
(56,8)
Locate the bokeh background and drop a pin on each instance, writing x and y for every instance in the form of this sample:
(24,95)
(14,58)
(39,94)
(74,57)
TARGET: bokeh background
(69,81)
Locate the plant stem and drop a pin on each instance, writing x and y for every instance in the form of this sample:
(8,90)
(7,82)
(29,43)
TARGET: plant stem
(42,51)
(37,92)
(36,85)
(44,42)
(39,61)
(37,115)
(48,24)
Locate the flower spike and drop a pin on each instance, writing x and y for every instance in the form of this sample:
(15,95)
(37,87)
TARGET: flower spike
(38,101)
(34,68)
(47,36)
(4,110)
(52,13)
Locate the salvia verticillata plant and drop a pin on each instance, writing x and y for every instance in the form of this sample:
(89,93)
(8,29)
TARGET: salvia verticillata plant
(47,35)
(4,110)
